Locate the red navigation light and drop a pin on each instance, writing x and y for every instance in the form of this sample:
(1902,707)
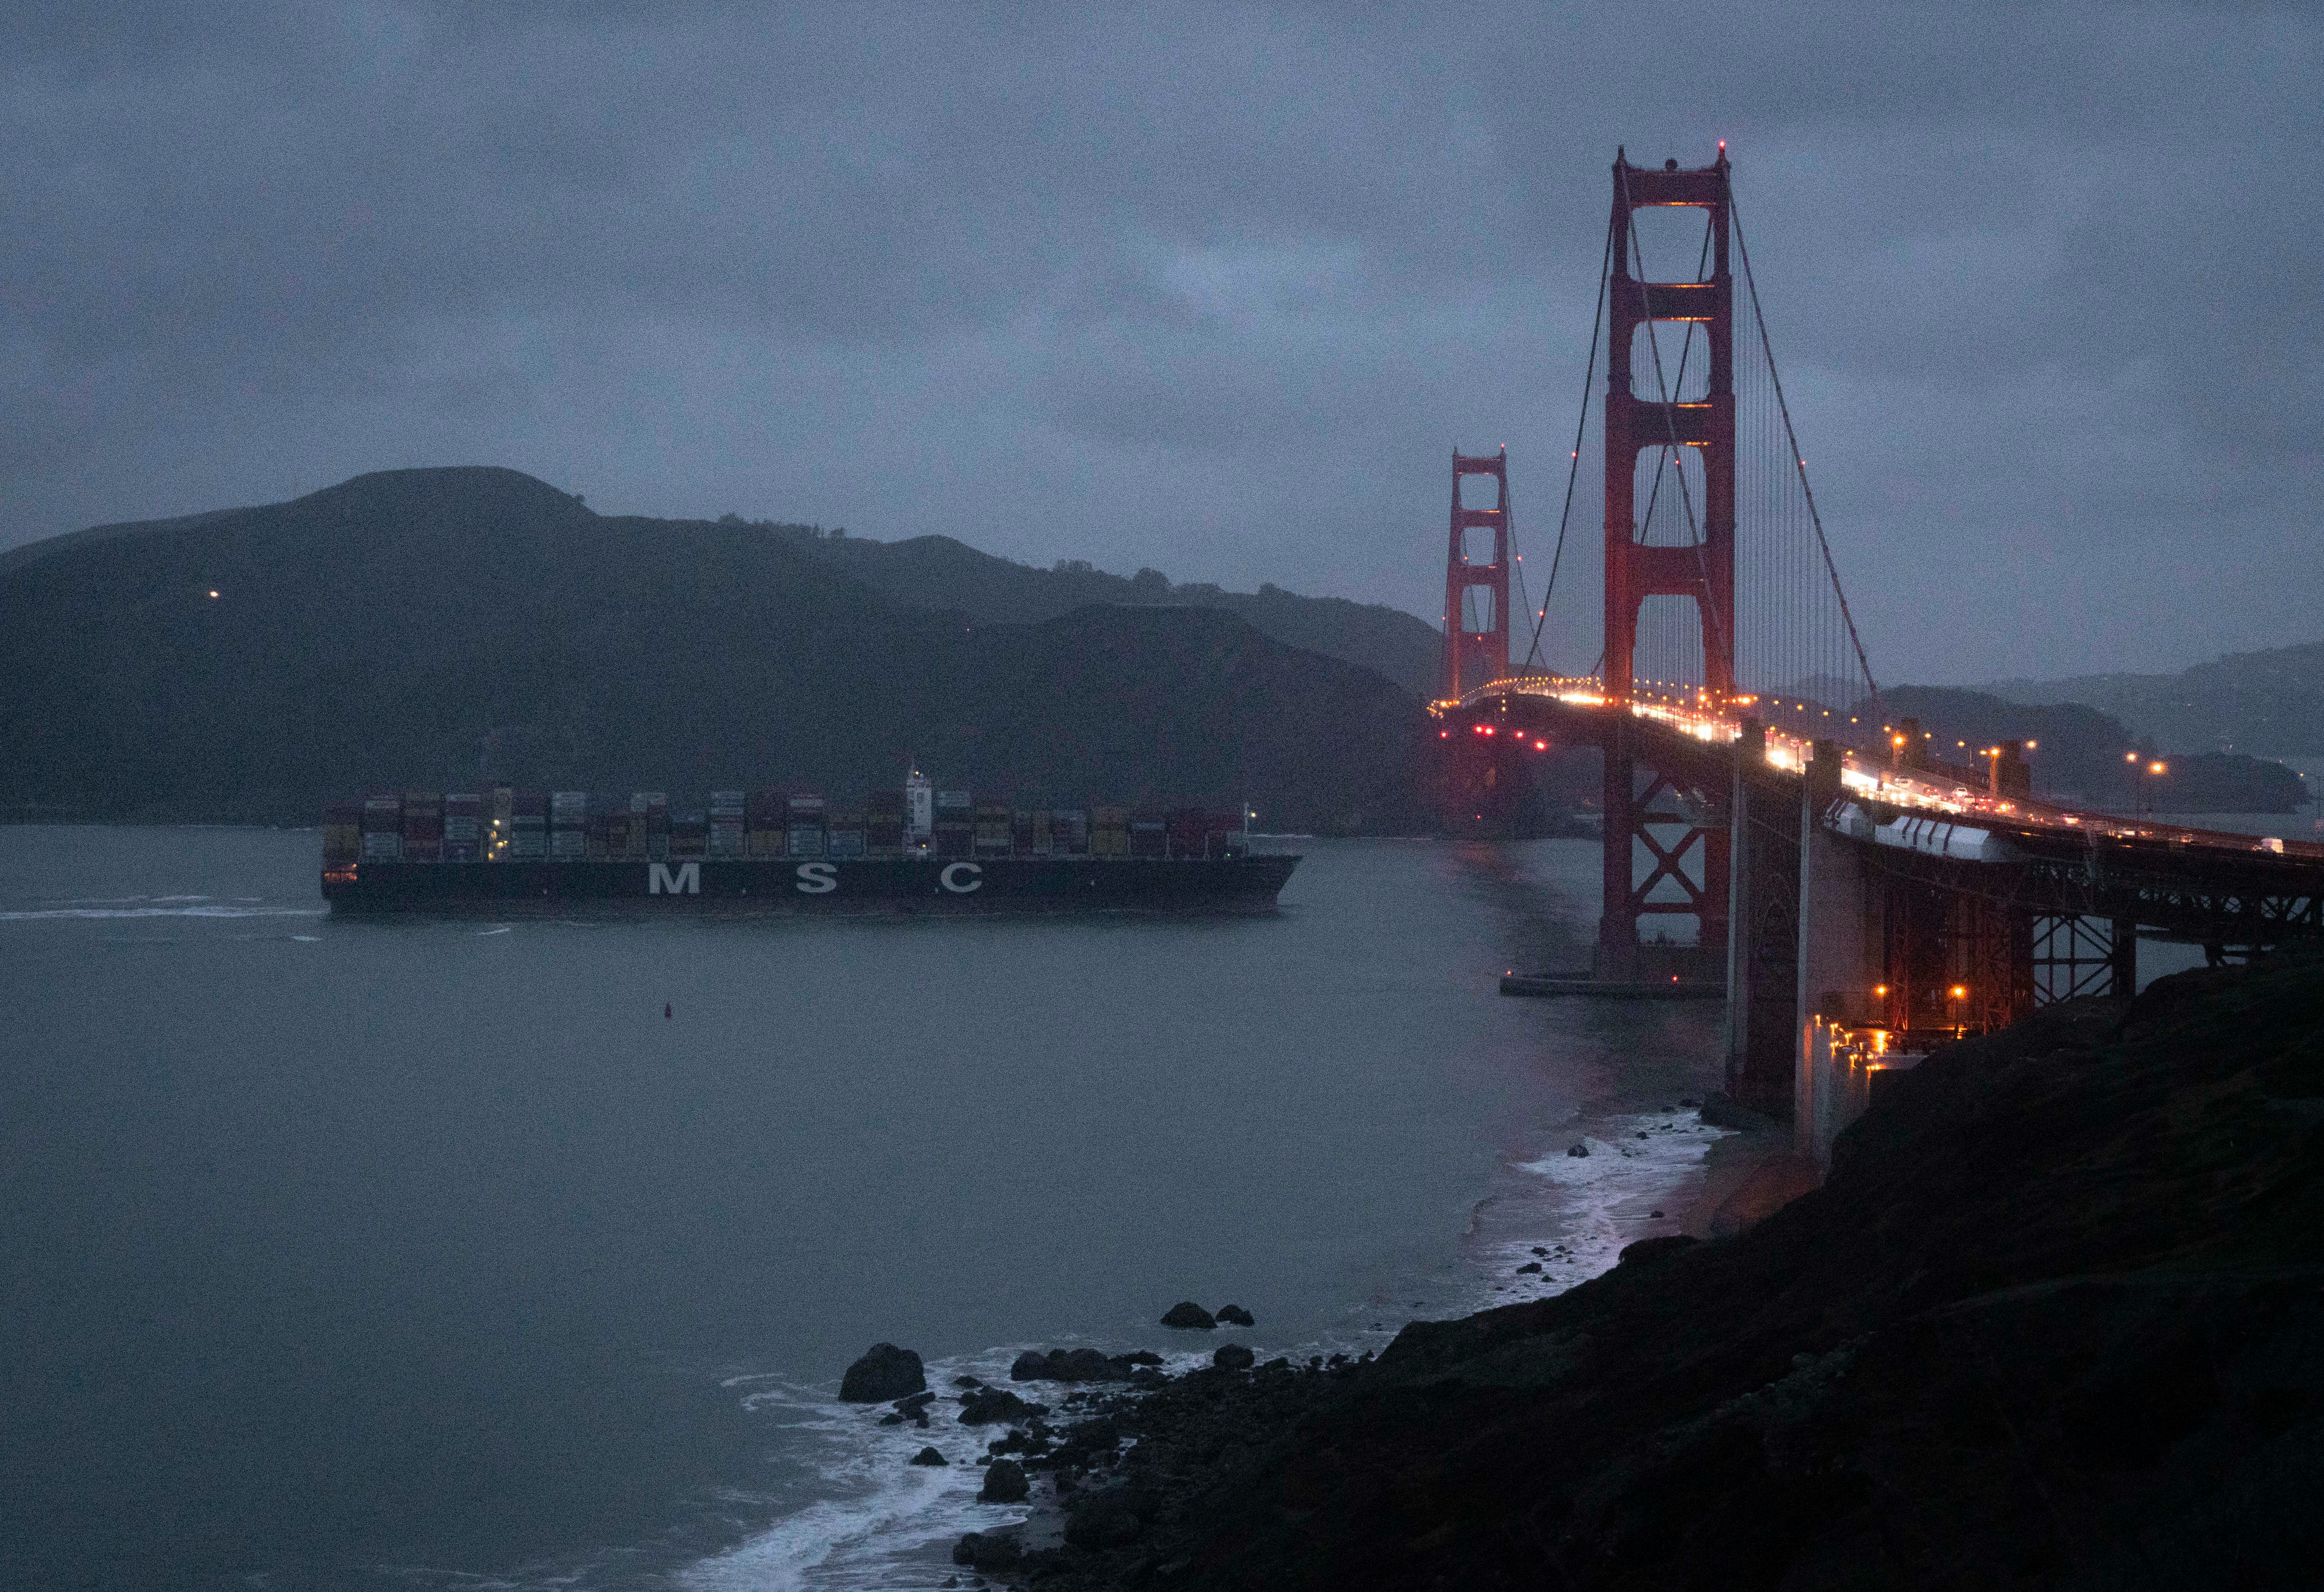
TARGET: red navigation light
(1541,746)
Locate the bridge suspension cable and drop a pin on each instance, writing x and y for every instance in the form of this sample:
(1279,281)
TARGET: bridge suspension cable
(1574,467)
(1800,463)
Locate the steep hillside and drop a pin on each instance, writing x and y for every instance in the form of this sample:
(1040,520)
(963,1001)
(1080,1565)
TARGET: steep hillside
(2270,703)
(937,572)
(438,628)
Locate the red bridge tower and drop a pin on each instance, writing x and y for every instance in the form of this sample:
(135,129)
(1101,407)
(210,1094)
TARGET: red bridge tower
(1674,836)
(1477,591)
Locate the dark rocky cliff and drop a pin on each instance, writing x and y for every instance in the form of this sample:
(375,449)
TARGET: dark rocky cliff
(2055,1320)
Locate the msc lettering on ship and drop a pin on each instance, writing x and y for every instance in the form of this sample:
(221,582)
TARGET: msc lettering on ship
(687,881)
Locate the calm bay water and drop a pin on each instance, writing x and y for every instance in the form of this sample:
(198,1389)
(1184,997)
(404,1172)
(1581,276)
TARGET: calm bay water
(346,1253)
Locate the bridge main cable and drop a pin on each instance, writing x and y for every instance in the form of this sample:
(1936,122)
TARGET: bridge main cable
(1573,470)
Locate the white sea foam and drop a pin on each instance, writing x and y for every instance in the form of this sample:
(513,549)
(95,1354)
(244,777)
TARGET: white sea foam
(47,913)
(1598,1202)
(882,1523)
(878,1524)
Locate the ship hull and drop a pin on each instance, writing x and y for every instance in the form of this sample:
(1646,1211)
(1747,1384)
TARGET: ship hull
(808,884)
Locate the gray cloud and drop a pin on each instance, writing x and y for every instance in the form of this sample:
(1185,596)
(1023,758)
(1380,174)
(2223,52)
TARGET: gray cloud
(1209,288)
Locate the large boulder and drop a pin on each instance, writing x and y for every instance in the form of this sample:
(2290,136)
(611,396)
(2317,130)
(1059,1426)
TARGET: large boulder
(930,1455)
(884,1373)
(1237,1315)
(1004,1483)
(1189,1315)
(1233,1356)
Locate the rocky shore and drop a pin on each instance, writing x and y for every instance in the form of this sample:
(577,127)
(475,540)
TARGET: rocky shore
(2056,1318)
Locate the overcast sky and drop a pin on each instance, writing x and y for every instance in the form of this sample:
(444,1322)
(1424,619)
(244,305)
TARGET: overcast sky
(1209,289)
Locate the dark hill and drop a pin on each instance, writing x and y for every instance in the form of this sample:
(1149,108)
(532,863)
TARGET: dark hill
(438,628)
(2078,754)
(2270,702)
(2055,1320)
(938,572)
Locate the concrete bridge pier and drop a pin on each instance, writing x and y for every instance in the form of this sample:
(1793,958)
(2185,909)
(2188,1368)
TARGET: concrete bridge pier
(1811,943)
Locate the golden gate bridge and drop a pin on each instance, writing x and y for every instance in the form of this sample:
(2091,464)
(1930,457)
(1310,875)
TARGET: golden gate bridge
(1771,835)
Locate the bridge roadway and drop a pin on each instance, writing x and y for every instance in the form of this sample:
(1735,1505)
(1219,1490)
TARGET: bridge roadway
(1908,899)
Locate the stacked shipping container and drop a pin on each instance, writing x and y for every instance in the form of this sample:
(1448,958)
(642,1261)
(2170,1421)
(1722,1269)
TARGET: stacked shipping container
(507,825)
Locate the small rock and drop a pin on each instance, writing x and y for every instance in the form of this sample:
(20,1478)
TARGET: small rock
(884,1373)
(1537,1249)
(1577,1150)
(1004,1483)
(1658,1216)
(1534,1266)
(1189,1315)
(1083,1364)
(1091,1436)
(1147,1376)
(1233,1356)
(966,1382)
(917,1400)
(1689,1105)
(930,1455)
(1236,1314)
(1137,1358)
(893,1418)
(1653,1249)
(986,1404)
(987,1549)
(1108,1520)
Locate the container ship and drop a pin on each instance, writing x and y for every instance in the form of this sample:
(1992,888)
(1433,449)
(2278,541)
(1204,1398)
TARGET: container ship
(770,848)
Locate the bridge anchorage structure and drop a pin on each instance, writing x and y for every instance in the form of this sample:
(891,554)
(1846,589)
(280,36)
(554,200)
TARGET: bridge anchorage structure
(1771,835)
